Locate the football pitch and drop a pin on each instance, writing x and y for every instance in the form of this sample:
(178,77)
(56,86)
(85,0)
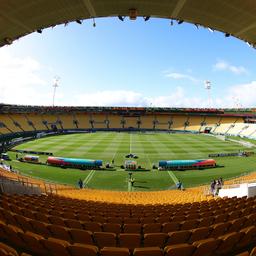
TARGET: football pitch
(149,147)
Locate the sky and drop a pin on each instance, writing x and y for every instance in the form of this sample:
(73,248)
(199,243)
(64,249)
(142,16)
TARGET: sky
(130,63)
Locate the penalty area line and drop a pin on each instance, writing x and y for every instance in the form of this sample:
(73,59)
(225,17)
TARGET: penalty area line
(89,177)
(129,186)
(173,177)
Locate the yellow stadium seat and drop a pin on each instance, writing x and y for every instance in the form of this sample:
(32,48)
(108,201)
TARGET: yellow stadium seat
(199,234)
(155,239)
(243,254)
(71,223)
(24,223)
(114,251)
(33,243)
(81,236)
(148,251)
(206,247)
(170,226)
(206,221)
(253,252)
(82,249)
(92,226)
(60,232)
(56,247)
(56,220)
(179,249)
(8,250)
(219,229)
(227,243)
(105,239)
(112,227)
(178,237)
(13,235)
(130,240)
(247,238)
(152,228)
(40,228)
(132,228)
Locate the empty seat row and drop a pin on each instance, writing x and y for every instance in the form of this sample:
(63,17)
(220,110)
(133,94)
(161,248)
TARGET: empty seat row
(97,206)
(226,214)
(45,221)
(38,245)
(48,204)
(248,253)
(130,240)
(7,250)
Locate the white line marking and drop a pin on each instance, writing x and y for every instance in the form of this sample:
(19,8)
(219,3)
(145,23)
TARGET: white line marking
(87,177)
(129,186)
(90,177)
(130,143)
(173,177)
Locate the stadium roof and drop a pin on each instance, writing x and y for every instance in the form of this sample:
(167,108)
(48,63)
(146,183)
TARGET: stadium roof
(22,17)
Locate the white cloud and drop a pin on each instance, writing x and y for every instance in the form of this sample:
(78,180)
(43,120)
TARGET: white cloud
(111,98)
(20,80)
(243,94)
(177,98)
(225,66)
(180,76)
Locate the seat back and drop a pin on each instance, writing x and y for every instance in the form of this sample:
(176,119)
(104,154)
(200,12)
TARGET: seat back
(178,237)
(82,249)
(179,249)
(105,239)
(130,240)
(155,239)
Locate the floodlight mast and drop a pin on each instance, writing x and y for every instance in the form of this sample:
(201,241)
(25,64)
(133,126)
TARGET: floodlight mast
(208,87)
(55,85)
(237,103)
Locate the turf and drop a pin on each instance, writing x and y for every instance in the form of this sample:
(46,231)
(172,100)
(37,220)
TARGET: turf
(150,148)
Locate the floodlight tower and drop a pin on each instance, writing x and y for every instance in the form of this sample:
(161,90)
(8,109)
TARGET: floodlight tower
(55,85)
(208,87)
(237,103)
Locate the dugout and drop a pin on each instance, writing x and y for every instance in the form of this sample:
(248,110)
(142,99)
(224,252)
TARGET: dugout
(186,164)
(31,159)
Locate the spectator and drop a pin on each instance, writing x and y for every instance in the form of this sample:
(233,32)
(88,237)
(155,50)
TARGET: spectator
(132,180)
(212,187)
(217,187)
(80,183)
(179,185)
(221,182)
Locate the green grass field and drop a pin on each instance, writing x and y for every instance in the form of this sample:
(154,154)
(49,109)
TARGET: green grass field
(150,148)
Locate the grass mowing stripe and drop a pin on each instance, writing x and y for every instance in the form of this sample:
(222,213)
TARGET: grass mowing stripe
(115,144)
(174,178)
(155,146)
(143,146)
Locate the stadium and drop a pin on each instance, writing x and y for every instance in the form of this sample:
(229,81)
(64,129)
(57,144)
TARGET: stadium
(127,181)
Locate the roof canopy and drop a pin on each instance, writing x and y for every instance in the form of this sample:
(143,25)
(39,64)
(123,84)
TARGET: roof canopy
(21,17)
